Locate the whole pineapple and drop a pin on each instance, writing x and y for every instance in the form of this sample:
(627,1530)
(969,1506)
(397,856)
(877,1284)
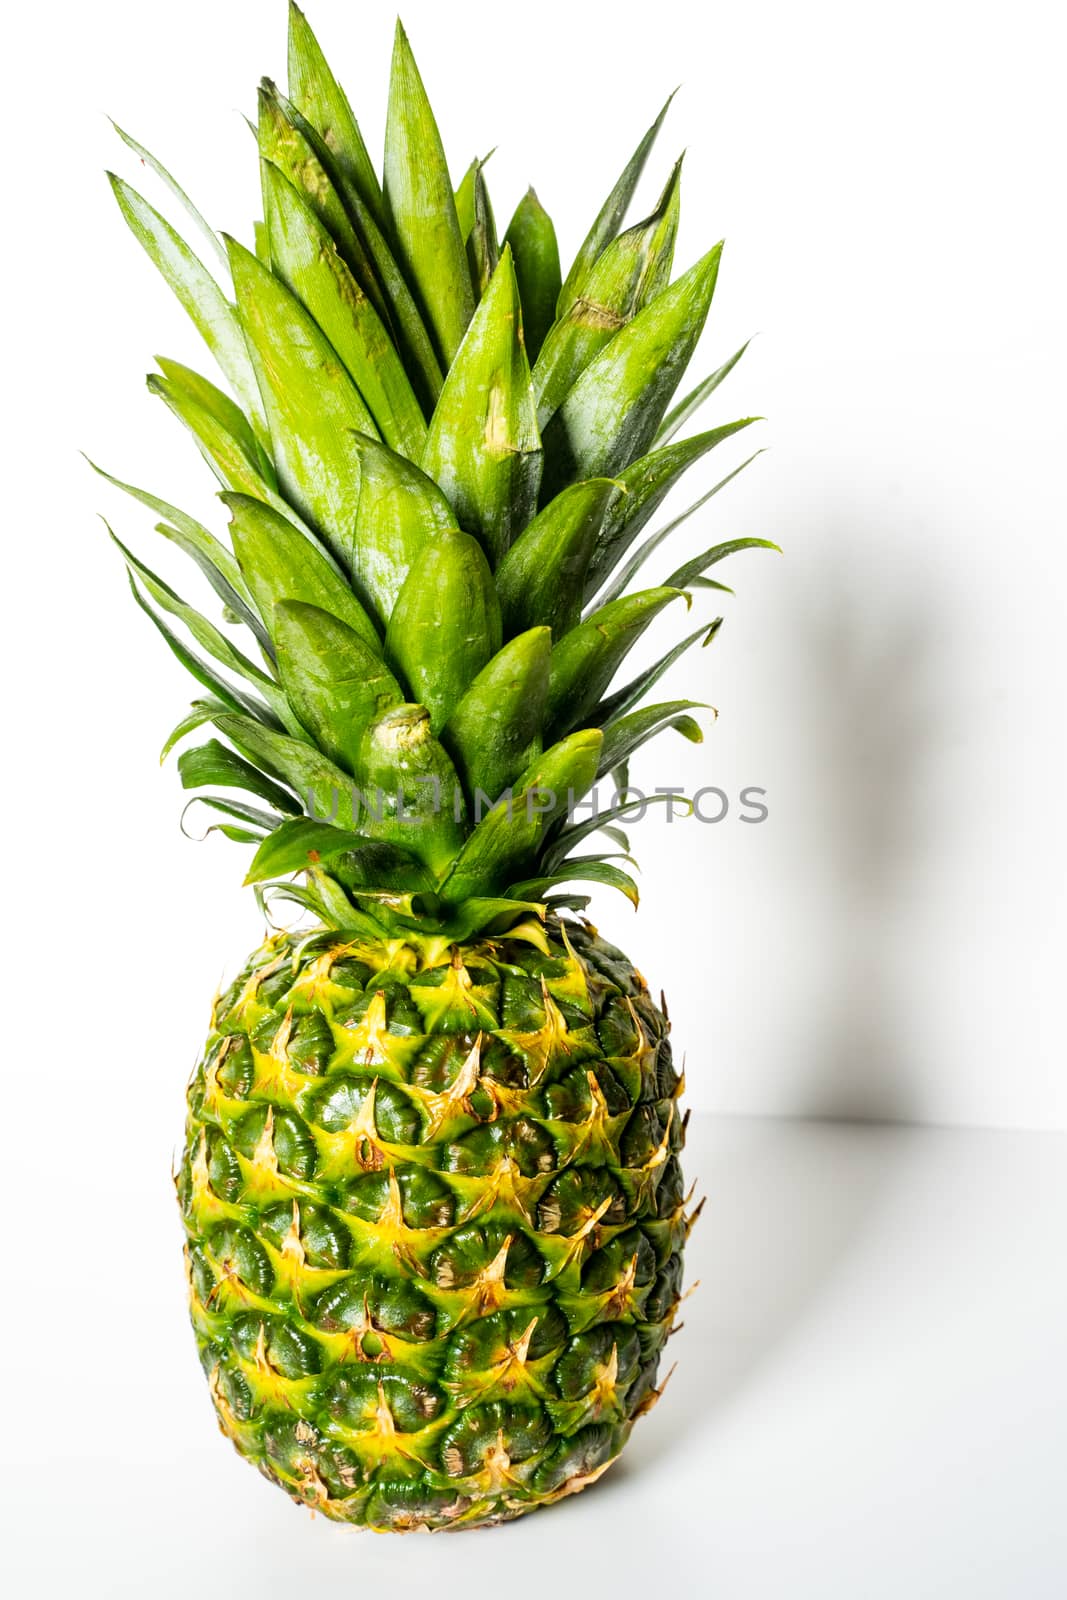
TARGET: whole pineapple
(430,1186)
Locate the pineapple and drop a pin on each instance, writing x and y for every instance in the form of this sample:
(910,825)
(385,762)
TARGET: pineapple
(430,1186)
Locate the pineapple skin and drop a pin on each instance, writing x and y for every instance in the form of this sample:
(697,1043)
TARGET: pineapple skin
(434,1218)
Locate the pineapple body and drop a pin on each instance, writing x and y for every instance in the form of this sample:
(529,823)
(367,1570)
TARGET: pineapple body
(434,1218)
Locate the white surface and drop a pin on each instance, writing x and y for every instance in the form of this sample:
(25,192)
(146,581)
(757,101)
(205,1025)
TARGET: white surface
(890,942)
(871,1400)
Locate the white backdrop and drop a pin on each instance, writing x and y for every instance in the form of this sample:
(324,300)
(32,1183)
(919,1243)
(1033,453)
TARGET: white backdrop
(890,943)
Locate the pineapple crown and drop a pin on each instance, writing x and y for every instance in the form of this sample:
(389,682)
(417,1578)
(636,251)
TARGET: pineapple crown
(438,456)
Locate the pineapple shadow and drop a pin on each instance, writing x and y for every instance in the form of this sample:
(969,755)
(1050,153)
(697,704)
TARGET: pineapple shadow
(788,1203)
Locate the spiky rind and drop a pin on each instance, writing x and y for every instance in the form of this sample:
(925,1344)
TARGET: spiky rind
(434,1218)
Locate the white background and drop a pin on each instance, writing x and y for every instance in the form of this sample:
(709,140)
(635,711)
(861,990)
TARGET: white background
(871,1397)
(890,942)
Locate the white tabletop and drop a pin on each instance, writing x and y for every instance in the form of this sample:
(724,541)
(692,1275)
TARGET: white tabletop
(870,1403)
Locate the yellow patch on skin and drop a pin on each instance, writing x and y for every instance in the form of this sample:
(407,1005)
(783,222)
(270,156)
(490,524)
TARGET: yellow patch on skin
(368,1041)
(315,983)
(498,440)
(441,1108)
(604,1393)
(205,1202)
(620,1299)
(539,1046)
(506,1187)
(496,1473)
(487,1292)
(249,995)
(576,1242)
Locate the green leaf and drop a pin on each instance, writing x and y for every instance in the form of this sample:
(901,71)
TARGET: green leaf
(617,705)
(717,552)
(645,485)
(369,256)
(325,792)
(307,261)
(335,682)
(297,845)
(506,838)
(483,246)
(204,632)
(421,207)
(484,448)
(211,398)
(212,314)
(641,555)
(586,660)
(214,763)
(465,199)
(214,560)
(200,669)
(445,624)
(315,90)
(610,416)
(377,865)
(200,712)
(410,791)
(312,404)
(633,269)
(280,563)
(609,218)
(222,451)
(542,576)
(679,415)
(176,190)
(495,731)
(399,511)
(579,869)
(630,733)
(567,838)
(532,239)
(288,143)
(262,821)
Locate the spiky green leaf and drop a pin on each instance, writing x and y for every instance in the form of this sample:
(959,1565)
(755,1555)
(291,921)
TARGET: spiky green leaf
(630,569)
(633,269)
(177,191)
(335,682)
(679,415)
(399,511)
(410,792)
(505,840)
(645,485)
(312,404)
(212,314)
(318,95)
(325,792)
(214,762)
(483,446)
(297,845)
(421,208)
(445,624)
(308,263)
(586,659)
(717,552)
(610,416)
(532,238)
(280,563)
(495,730)
(610,216)
(542,577)
(629,733)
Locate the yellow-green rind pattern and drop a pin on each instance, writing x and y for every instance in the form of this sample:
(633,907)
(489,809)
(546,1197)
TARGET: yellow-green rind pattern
(434,1218)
